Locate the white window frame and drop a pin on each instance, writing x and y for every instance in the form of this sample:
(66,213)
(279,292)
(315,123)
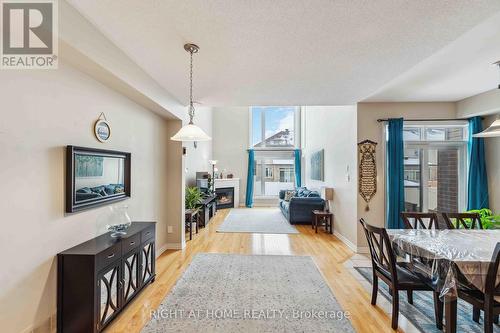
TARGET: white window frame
(269,150)
(297,130)
(424,146)
(269,172)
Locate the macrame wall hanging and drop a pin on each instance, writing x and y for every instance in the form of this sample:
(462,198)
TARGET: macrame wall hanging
(367,171)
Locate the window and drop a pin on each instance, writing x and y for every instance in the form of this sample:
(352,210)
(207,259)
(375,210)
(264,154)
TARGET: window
(274,127)
(269,172)
(286,175)
(274,134)
(278,170)
(435,166)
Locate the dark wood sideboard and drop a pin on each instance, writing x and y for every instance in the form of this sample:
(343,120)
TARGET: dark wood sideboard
(208,208)
(98,278)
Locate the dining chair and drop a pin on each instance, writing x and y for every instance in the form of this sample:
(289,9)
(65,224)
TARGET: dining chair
(420,220)
(385,267)
(485,300)
(462,219)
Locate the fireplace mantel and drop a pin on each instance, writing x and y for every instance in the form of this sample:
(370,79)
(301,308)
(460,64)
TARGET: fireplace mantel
(230,182)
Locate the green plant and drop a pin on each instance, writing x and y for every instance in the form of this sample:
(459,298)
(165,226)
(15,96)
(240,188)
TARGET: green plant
(488,220)
(193,197)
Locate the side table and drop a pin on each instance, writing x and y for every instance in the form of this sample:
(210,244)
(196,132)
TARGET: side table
(322,218)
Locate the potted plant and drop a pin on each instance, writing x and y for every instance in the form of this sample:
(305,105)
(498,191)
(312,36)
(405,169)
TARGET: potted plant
(193,197)
(488,220)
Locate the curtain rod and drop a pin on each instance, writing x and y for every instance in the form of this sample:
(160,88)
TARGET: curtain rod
(438,119)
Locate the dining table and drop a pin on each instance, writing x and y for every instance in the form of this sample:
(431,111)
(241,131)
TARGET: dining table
(448,259)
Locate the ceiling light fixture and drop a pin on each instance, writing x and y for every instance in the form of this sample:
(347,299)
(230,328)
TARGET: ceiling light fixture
(494,129)
(191,132)
(490,132)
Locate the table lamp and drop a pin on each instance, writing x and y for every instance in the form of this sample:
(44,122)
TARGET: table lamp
(328,197)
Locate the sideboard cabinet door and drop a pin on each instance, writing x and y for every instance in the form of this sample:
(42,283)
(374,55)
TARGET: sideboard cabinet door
(131,275)
(109,289)
(147,262)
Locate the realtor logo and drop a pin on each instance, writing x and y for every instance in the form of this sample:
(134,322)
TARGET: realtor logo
(29,34)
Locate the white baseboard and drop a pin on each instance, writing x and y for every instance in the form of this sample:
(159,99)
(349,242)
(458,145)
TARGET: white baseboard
(346,241)
(174,246)
(160,250)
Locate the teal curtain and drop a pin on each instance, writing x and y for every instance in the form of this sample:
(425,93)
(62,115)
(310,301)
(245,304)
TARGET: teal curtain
(395,174)
(250,176)
(477,197)
(298,170)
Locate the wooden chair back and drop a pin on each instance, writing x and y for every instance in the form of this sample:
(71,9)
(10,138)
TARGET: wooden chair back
(381,252)
(462,219)
(491,288)
(420,220)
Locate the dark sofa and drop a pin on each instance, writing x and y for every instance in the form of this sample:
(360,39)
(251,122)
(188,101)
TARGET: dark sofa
(299,209)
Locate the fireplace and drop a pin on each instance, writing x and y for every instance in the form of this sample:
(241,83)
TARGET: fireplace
(225,197)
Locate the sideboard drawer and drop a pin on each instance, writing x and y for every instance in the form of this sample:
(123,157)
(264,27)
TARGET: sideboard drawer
(109,256)
(148,234)
(131,243)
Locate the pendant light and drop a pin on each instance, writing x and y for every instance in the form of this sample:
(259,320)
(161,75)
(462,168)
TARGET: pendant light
(490,132)
(494,129)
(191,132)
(498,65)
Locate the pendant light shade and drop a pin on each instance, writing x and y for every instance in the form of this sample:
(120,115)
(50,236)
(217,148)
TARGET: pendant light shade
(191,132)
(490,132)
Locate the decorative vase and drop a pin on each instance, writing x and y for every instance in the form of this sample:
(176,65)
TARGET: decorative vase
(119,221)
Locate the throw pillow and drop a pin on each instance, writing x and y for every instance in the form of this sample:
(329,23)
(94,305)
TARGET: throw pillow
(289,195)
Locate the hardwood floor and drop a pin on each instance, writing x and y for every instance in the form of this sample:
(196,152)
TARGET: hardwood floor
(328,252)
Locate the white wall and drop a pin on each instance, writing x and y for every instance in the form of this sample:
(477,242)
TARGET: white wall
(230,143)
(369,128)
(492,150)
(483,104)
(487,104)
(333,128)
(42,112)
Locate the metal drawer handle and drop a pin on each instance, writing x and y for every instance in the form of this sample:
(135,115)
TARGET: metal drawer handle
(132,243)
(111,255)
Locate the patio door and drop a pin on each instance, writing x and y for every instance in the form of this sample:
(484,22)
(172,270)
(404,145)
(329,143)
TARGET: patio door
(435,177)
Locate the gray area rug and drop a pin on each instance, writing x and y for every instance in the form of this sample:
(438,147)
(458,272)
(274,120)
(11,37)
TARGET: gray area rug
(250,293)
(257,220)
(421,313)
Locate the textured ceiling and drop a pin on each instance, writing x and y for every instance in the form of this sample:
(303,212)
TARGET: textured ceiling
(461,69)
(282,52)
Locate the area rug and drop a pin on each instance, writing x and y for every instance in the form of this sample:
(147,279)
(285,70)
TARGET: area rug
(257,220)
(250,293)
(421,313)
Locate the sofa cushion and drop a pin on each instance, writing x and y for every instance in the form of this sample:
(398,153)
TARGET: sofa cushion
(300,191)
(97,189)
(285,205)
(110,189)
(289,195)
(85,190)
(313,194)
